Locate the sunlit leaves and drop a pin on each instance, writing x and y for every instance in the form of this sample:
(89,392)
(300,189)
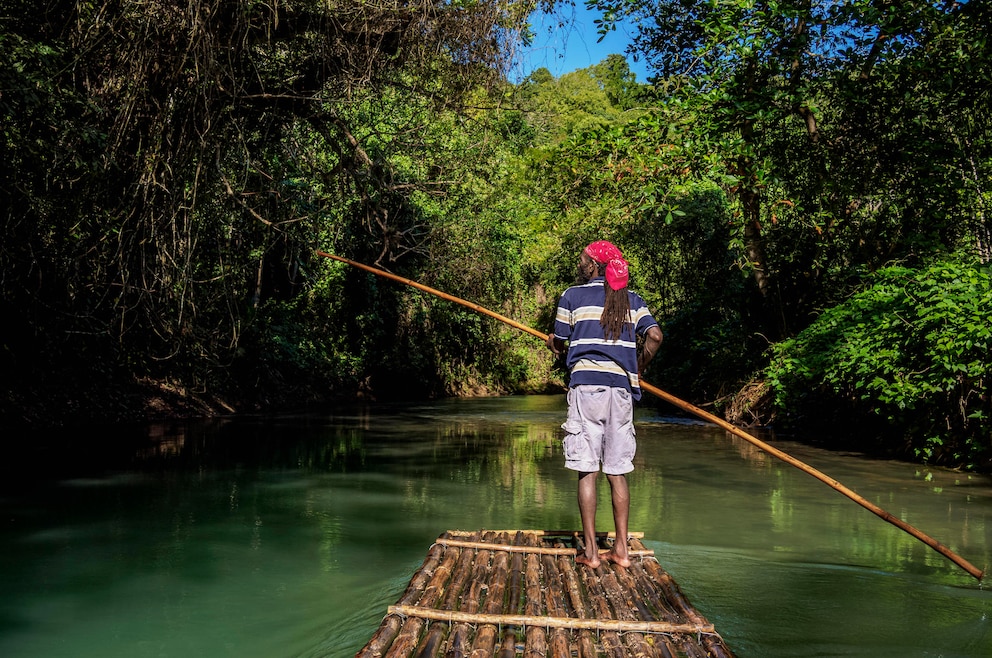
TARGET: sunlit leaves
(914,350)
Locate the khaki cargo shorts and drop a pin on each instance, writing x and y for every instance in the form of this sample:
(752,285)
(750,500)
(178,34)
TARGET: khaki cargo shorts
(599,430)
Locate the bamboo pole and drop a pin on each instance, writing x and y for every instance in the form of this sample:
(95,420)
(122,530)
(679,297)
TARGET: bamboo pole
(409,636)
(377,645)
(455,643)
(549,533)
(585,646)
(634,599)
(554,603)
(508,647)
(625,607)
(512,603)
(516,583)
(429,646)
(571,583)
(665,647)
(658,577)
(463,570)
(460,638)
(386,635)
(484,644)
(532,580)
(602,625)
(600,609)
(536,638)
(705,415)
(420,579)
(822,477)
(646,586)
(671,592)
(540,550)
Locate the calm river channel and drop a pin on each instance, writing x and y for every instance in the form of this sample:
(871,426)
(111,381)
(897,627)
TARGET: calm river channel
(289,536)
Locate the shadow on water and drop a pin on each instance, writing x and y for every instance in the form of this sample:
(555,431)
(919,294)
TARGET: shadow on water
(291,535)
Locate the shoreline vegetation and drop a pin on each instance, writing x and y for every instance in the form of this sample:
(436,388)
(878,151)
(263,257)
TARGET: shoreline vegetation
(815,241)
(152,400)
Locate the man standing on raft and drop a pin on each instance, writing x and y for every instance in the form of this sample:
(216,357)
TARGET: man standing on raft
(600,320)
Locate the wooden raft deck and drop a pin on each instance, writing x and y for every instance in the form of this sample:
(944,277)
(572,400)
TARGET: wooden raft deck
(520,592)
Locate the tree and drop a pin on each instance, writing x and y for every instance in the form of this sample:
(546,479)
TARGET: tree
(623,179)
(152,195)
(908,355)
(802,103)
(571,104)
(619,83)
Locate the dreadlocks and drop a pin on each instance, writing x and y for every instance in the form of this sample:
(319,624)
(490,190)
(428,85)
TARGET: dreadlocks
(616,309)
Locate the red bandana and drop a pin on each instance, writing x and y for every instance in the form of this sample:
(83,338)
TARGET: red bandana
(617,273)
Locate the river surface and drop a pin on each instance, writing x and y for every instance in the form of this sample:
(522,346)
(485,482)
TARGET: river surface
(290,536)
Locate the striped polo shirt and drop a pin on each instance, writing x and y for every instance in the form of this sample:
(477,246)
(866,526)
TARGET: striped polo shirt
(591,358)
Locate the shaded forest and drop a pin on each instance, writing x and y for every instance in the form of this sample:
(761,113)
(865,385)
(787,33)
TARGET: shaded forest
(802,189)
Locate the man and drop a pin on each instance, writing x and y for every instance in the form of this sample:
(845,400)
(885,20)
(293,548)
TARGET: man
(600,319)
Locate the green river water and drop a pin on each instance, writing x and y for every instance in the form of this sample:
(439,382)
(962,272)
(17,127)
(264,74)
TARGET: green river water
(290,536)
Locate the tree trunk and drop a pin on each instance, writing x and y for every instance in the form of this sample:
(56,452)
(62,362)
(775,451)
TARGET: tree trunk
(754,246)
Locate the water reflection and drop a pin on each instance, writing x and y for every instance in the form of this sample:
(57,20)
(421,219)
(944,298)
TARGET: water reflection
(290,536)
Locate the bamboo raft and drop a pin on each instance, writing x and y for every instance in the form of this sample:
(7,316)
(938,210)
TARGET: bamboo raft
(520,592)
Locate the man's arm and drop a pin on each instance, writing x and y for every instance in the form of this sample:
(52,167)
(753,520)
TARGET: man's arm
(652,341)
(555,344)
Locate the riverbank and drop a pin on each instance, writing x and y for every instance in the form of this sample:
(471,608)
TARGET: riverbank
(145,399)
(65,403)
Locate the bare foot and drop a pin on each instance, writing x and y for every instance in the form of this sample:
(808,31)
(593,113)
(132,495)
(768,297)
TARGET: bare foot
(616,559)
(592,563)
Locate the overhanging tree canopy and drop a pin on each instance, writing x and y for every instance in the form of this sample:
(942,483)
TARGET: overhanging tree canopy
(827,118)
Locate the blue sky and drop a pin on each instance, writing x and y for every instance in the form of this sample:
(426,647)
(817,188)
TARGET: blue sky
(573,47)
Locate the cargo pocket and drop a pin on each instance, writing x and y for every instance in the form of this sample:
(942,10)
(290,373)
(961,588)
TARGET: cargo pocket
(573,444)
(630,445)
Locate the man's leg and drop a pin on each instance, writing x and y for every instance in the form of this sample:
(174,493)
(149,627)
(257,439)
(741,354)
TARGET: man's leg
(587,510)
(620,494)
(619,446)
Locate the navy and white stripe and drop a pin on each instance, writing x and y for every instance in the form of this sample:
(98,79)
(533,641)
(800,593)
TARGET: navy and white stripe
(592,359)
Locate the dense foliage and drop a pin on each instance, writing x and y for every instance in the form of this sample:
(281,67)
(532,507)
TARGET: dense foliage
(909,354)
(848,134)
(171,170)
(170,167)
